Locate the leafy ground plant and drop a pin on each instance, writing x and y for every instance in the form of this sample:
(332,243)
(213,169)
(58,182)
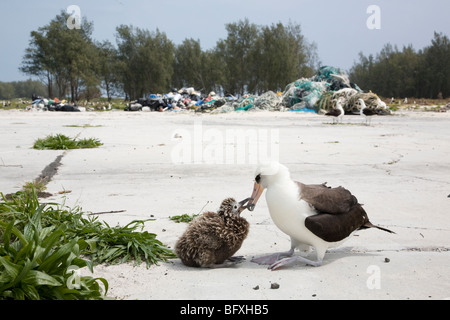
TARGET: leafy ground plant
(104,243)
(37,265)
(62,142)
(184,218)
(87,125)
(41,244)
(120,244)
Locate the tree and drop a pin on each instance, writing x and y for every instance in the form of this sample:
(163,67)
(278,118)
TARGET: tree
(261,58)
(235,53)
(196,68)
(282,56)
(436,67)
(107,67)
(360,72)
(146,61)
(252,58)
(407,73)
(189,65)
(7,90)
(21,89)
(212,71)
(37,60)
(59,55)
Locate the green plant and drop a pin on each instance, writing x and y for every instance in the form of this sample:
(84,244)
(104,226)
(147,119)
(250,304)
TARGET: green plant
(102,243)
(121,244)
(184,218)
(393,108)
(38,265)
(62,142)
(38,185)
(43,244)
(87,125)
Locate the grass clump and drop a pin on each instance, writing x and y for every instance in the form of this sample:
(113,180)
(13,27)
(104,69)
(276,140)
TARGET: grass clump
(87,125)
(105,243)
(184,218)
(62,142)
(43,244)
(119,244)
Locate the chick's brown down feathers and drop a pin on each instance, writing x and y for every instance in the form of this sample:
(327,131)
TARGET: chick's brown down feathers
(212,238)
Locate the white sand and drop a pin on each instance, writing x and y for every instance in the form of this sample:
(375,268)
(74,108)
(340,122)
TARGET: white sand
(398,168)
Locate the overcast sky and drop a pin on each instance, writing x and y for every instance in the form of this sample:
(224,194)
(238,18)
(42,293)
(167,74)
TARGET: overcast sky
(339,28)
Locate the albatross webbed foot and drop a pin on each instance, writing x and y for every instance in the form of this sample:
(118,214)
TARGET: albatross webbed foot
(271,259)
(290,260)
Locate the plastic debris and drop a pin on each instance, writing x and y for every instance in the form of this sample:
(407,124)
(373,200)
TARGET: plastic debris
(334,77)
(42,104)
(304,93)
(316,94)
(268,101)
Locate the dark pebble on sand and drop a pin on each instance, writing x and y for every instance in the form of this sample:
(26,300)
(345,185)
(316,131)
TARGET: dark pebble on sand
(274,285)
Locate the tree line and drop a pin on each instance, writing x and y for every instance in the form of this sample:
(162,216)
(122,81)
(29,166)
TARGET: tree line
(21,89)
(252,58)
(407,73)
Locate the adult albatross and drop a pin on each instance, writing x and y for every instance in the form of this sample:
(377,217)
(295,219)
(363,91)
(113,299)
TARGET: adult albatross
(337,113)
(312,215)
(366,112)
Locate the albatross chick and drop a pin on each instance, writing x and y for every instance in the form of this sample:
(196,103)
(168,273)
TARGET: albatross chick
(212,238)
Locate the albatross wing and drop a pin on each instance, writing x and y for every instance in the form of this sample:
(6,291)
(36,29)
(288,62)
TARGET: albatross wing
(338,212)
(336,227)
(326,199)
(333,113)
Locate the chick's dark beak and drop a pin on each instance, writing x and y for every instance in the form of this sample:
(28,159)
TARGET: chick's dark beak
(242,205)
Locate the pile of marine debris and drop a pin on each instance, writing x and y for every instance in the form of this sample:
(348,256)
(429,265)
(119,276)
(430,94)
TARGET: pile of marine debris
(42,104)
(317,94)
(183,99)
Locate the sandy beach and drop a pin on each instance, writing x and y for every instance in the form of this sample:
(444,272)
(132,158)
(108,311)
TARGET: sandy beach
(157,165)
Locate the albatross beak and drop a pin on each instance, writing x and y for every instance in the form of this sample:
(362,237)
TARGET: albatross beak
(257,191)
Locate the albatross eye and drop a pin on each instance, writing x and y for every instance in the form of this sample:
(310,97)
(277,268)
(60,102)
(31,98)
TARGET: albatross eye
(258,178)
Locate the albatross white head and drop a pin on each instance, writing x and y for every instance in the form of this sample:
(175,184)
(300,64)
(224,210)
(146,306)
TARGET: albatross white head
(267,174)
